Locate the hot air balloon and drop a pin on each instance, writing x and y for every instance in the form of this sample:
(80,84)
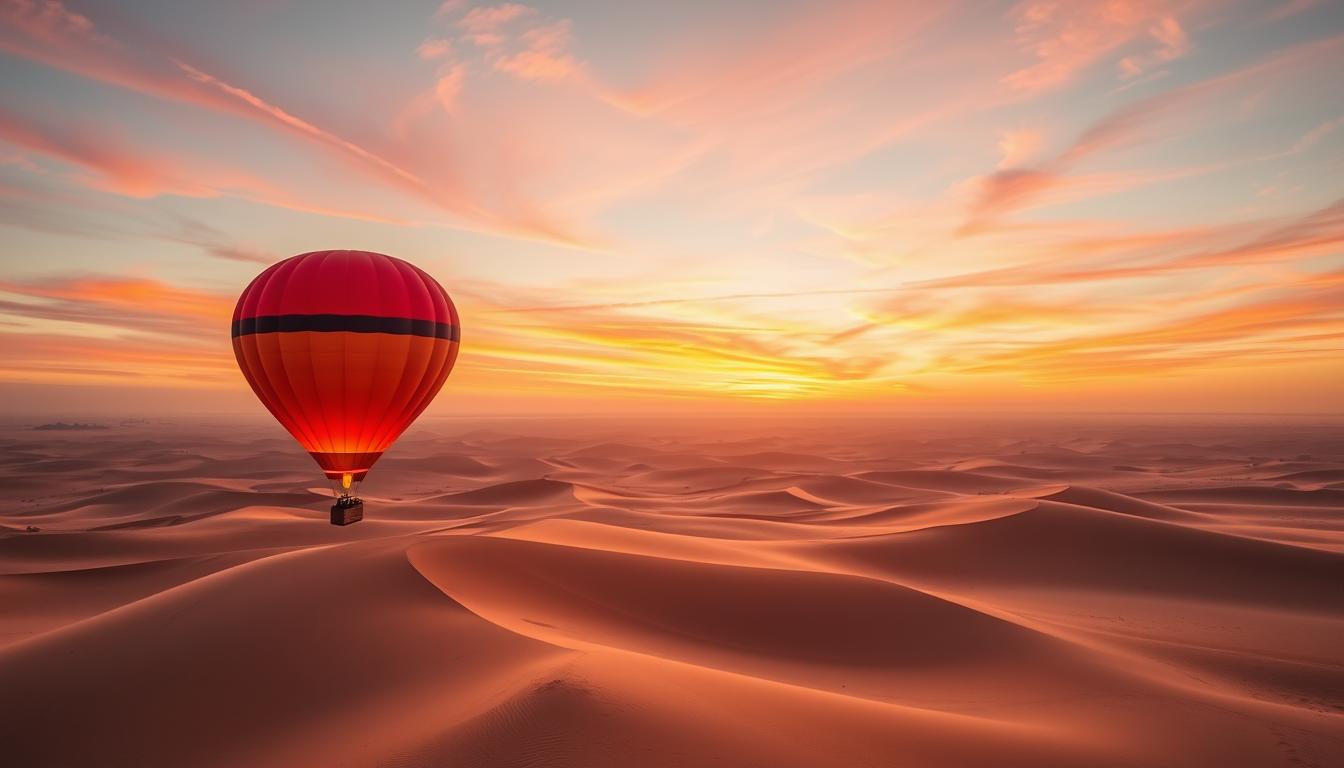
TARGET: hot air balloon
(345,349)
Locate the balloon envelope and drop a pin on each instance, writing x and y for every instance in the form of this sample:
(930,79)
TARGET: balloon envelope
(345,349)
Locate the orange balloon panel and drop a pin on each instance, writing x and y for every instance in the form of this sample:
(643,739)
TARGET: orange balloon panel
(346,352)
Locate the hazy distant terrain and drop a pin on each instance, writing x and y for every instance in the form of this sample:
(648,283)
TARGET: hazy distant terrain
(556,593)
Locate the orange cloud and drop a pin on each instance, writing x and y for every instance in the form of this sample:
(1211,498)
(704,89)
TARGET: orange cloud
(138,304)
(1301,319)
(1317,233)
(64,359)
(93,329)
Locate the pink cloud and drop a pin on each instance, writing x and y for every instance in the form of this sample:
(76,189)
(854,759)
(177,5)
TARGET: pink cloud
(1066,38)
(1173,44)
(1016,147)
(449,7)
(489,19)
(434,48)
(1169,33)
(485,26)
(449,86)
(519,41)
(544,54)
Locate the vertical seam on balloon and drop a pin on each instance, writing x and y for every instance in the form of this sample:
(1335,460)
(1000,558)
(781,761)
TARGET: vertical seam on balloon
(318,426)
(427,393)
(450,350)
(387,421)
(410,409)
(286,375)
(376,438)
(344,411)
(391,428)
(411,280)
(327,420)
(299,415)
(245,352)
(293,406)
(353,424)
(377,356)
(375,415)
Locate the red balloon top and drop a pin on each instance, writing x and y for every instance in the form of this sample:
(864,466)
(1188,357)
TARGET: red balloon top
(346,283)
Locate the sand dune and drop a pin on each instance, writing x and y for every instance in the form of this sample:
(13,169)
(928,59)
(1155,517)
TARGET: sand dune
(566,594)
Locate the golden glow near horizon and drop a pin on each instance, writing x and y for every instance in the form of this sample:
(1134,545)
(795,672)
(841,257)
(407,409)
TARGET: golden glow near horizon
(1128,205)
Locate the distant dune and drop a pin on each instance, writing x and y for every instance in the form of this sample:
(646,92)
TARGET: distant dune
(563,594)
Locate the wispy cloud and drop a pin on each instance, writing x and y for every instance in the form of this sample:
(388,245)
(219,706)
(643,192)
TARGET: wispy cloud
(134,304)
(107,165)
(52,358)
(49,33)
(1013,188)
(1288,8)
(1304,324)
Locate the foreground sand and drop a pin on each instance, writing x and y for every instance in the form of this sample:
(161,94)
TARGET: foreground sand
(562,594)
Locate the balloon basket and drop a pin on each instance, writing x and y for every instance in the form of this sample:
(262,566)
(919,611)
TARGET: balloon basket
(346,511)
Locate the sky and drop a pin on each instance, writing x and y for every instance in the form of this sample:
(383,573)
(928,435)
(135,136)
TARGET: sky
(644,207)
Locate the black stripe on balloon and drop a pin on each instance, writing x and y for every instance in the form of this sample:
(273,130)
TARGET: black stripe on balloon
(402,326)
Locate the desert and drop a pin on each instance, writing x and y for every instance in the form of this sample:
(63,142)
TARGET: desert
(583,593)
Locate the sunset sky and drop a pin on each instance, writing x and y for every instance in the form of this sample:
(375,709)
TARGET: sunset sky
(873,206)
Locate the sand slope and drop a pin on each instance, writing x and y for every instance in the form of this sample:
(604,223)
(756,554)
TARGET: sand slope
(565,594)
